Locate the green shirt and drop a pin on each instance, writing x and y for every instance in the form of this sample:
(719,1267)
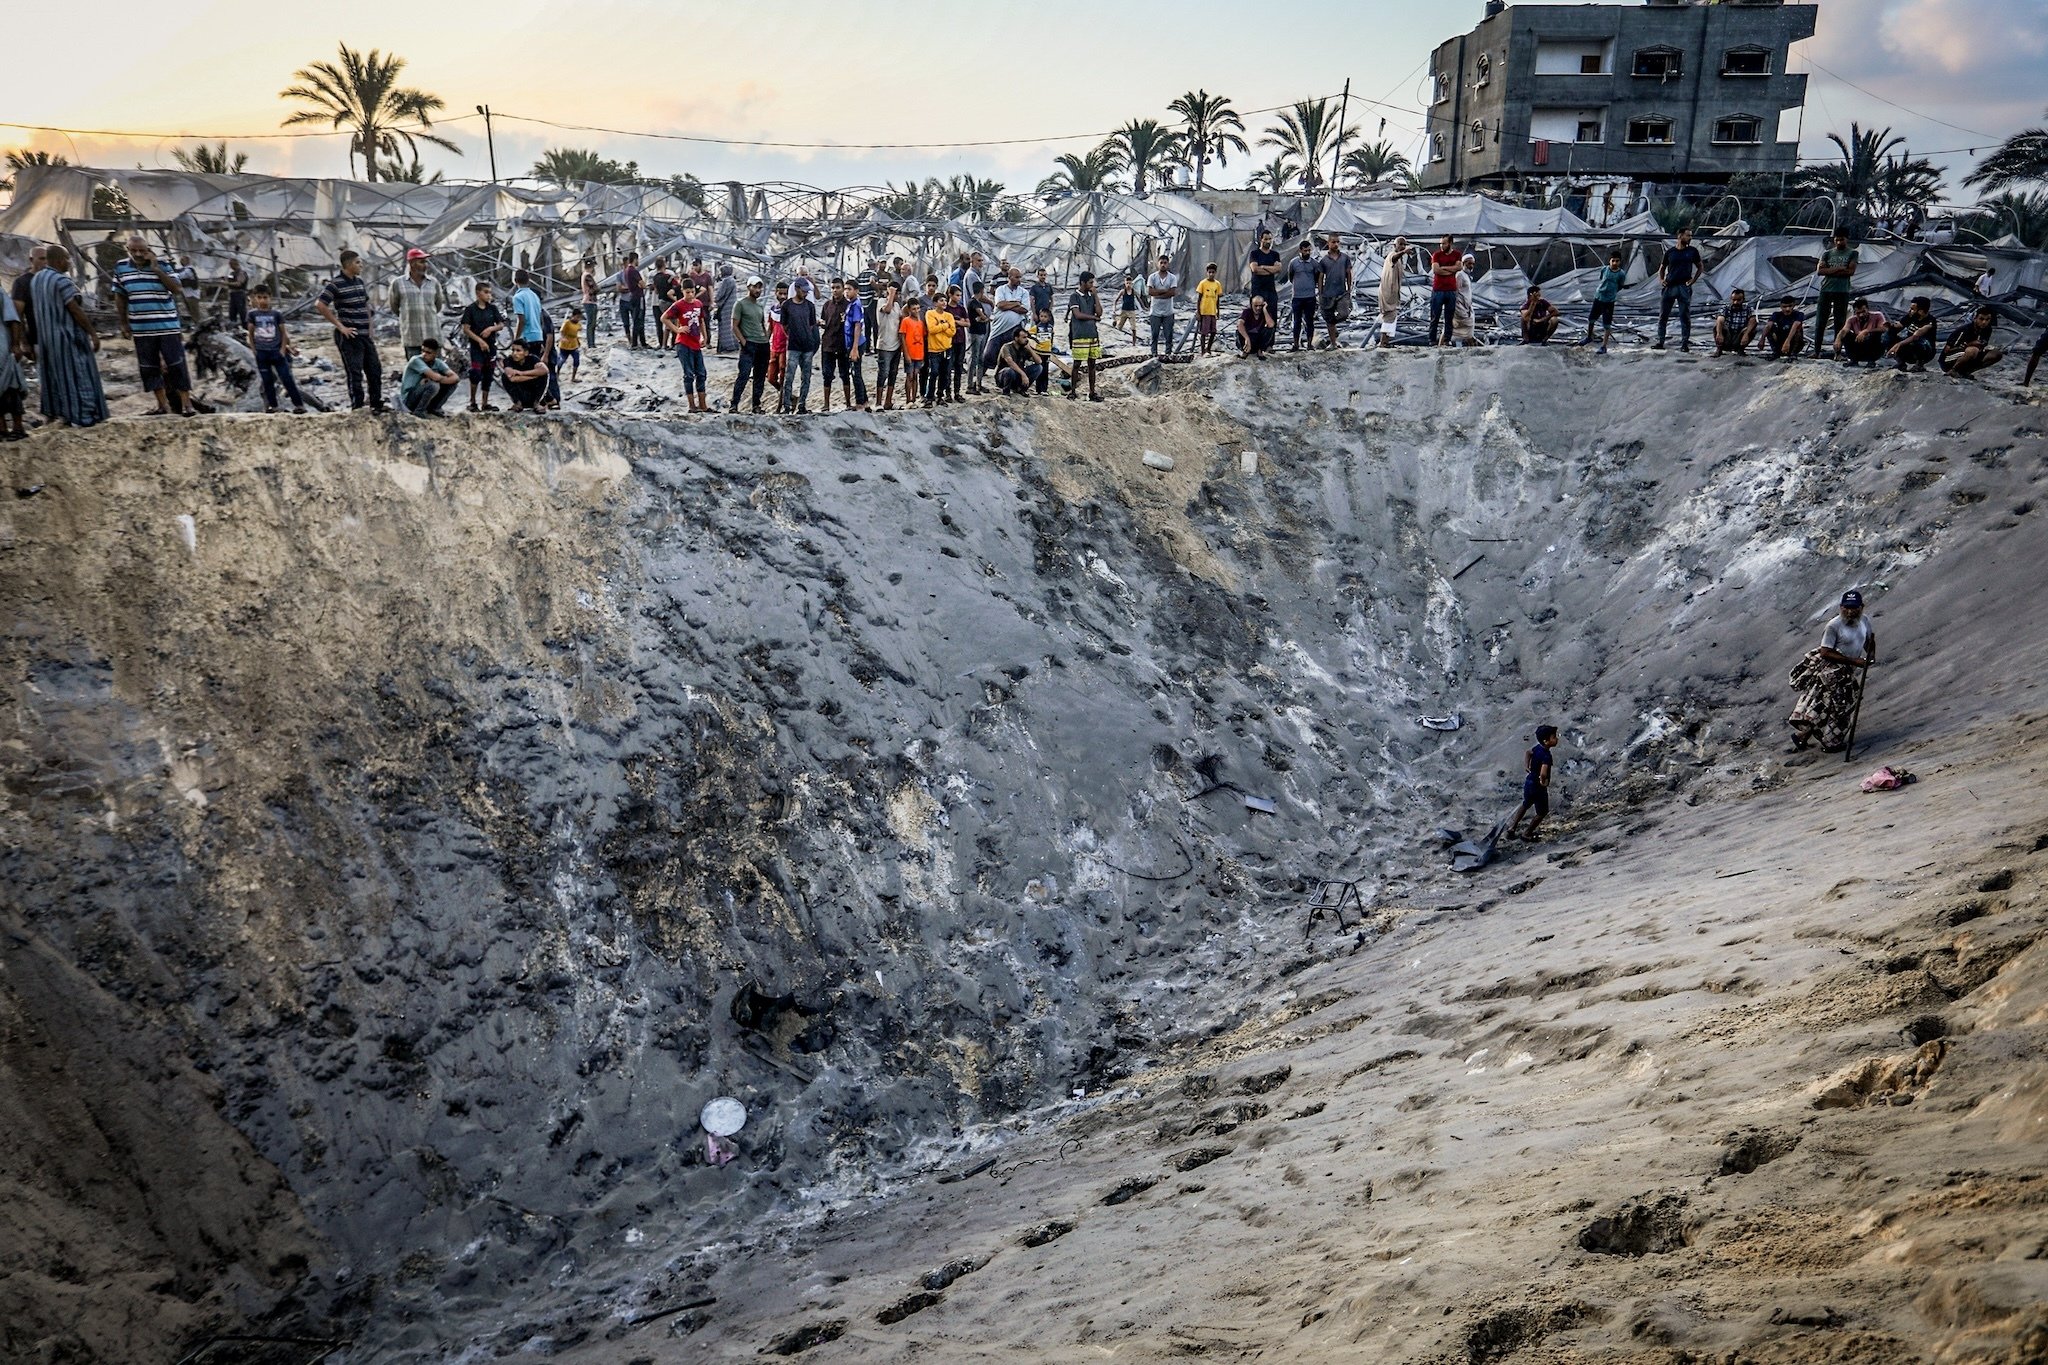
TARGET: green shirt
(751,318)
(1838,284)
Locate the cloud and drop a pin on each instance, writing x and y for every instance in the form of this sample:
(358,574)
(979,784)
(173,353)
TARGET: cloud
(1967,37)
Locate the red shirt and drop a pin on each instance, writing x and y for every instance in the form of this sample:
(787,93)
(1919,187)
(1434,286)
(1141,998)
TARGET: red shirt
(685,316)
(1444,267)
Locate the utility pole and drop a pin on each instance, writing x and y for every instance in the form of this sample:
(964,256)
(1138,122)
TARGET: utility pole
(1337,155)
(489,141)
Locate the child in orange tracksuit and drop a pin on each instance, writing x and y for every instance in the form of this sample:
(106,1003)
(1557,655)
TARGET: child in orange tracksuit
(911,329)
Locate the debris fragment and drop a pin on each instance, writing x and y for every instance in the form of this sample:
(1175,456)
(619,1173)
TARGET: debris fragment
(1450,722)
(1154,460)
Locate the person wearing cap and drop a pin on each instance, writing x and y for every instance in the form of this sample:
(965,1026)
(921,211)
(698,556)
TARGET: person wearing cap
(1461,318)
(750,321)
(1829,678)
(416,302)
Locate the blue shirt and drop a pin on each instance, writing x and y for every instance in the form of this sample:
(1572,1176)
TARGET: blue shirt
(1681,263)
(1539,759)
(152,308)
(853,322)
(526,307)
(266,325)
(1611,281)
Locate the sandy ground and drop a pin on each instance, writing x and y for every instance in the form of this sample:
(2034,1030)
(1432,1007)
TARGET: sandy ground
(465,803)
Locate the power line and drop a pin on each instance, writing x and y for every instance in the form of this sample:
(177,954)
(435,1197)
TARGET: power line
(223,137)
(1974,132)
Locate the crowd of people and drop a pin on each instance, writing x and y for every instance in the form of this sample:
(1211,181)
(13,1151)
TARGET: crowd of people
(933,339)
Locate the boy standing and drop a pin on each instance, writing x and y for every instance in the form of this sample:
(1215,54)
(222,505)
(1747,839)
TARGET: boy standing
(1535,782)
(1084,331)
(939,327)
(274,350)
(911,329)
(481,323)
(684,320)
(571,346)
(1208,305)
(1611,280)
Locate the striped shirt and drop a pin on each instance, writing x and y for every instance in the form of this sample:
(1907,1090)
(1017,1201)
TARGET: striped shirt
(350,300)
(152,308)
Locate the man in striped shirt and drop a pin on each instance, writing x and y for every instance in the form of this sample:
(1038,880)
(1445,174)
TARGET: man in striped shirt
(345,303)
(146,295)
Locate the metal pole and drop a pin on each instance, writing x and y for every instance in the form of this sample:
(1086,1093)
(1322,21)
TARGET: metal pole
(490,141)
(1337,154)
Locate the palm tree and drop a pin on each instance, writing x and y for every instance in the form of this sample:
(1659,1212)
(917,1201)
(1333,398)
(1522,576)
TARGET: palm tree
(690,190)
(21,159)
(1145,143)
(2023,156)
(1210,130)
(362,93)
(912,200)
(406,173)
(1373,164)
(1273,177)
(1083,174)
(1871,178)
(1306,132)
(964,196)
(212,159)
(567,166)
(2025,216)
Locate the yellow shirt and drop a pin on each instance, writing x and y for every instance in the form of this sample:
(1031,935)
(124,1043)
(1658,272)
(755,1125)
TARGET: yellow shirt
(572,334)
(1208,294)
(939,327)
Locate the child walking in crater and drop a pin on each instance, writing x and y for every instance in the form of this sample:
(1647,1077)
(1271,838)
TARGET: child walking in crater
(1535,782)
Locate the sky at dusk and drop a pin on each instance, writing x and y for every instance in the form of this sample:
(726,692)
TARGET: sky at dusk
(1060,72)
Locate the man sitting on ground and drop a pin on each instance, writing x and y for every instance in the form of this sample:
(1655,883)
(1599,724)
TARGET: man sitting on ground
(427,381)
(1913,338)
(1969,350)
(1860,341)
(1539,318)
(525,376)
(1736,327)
(1785,331)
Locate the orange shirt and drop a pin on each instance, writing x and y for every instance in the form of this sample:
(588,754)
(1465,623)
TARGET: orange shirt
(912,329)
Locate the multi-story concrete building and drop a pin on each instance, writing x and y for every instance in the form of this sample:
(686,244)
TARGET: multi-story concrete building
(1691,91)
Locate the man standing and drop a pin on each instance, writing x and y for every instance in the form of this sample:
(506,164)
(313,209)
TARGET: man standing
(1084,332)
(724,295)
(1605,295)
(588,284)
(1301,288)
(687,321)
(1539,318)
(24,306)
(1461,330)
(67,348)
(481,325)
(345,302)
(1443,288)
(1264,268)
(1333,291)
(416,300)
(1013,310)
(1208,307)
(800,324)
(1041,293)
(1392,270)
(845,334)
(1681,266)
(886,338)
(1736,327)
(1837,273)
(633,303)
(750,320)
(529,326)
(1912,341)
(1162,286)
(146,295)
(238,291)
(1969,350)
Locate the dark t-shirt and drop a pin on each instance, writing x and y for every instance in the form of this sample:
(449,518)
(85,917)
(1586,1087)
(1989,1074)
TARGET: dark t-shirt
(266,326)
(1681,263)
(800,324)
(1266,284)
(478,316)
(1083,329)
(1539,759)
(834,326)
(1041,299)
(631,283)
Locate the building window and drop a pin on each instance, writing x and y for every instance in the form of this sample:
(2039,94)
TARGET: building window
(1654,131)
(1592,64)
(1590,130)
(1746,61)
(1443,87)
(1478,136)
(1739,129)
(1436,147)
(1485,69)
(1660,63)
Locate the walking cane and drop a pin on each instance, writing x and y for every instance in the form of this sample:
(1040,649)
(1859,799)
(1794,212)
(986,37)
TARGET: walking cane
(1856,714)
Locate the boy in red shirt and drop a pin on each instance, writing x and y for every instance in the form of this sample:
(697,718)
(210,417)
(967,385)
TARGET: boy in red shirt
(684,319)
